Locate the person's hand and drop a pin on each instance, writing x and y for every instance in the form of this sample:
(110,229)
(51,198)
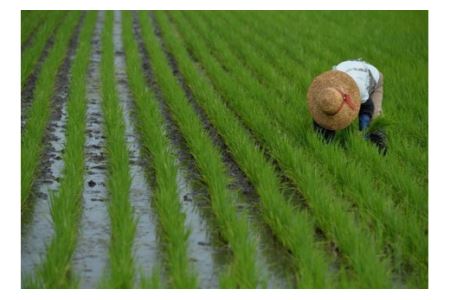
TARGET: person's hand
(377,113)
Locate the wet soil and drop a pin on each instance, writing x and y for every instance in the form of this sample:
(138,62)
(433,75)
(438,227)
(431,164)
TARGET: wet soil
(37,228)
(91,254)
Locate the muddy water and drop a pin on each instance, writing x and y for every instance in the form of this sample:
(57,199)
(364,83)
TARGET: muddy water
(38,230)
(91,254)
(271,259)
(145,243)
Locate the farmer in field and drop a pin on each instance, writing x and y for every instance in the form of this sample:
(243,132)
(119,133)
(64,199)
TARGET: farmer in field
(352,89)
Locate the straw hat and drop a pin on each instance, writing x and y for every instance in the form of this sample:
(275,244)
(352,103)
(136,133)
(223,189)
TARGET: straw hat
(334,100)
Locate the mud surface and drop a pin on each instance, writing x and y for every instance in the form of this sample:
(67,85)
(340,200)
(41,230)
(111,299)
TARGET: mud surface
(272,260)
(37,230)
(91,254)
(145,243)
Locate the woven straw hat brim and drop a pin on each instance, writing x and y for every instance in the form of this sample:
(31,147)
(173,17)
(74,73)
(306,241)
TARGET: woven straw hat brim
(341,81)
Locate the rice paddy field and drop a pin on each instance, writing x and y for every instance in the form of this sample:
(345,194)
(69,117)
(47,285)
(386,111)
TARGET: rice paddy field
(174,149)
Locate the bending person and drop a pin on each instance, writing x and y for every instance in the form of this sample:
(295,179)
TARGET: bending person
(352,89)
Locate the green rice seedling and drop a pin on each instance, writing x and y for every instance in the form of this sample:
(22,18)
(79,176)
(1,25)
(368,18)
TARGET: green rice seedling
(234,229)
(331,215)
(56,271)
(123,226)
(30,21)
(31,55)
(152,281)
(294,229)
(39,113)
(156,144)
(380,123)
(397,227)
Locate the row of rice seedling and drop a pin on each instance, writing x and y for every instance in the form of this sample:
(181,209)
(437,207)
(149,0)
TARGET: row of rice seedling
(233,228)
(294,229)
(156,144)
(30,55)
(121,269)
(399,228)
(145,250)
(30,21)
(55,270)
(39,112)
(351,237)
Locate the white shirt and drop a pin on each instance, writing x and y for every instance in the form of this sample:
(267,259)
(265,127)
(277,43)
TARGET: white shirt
(365,75)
